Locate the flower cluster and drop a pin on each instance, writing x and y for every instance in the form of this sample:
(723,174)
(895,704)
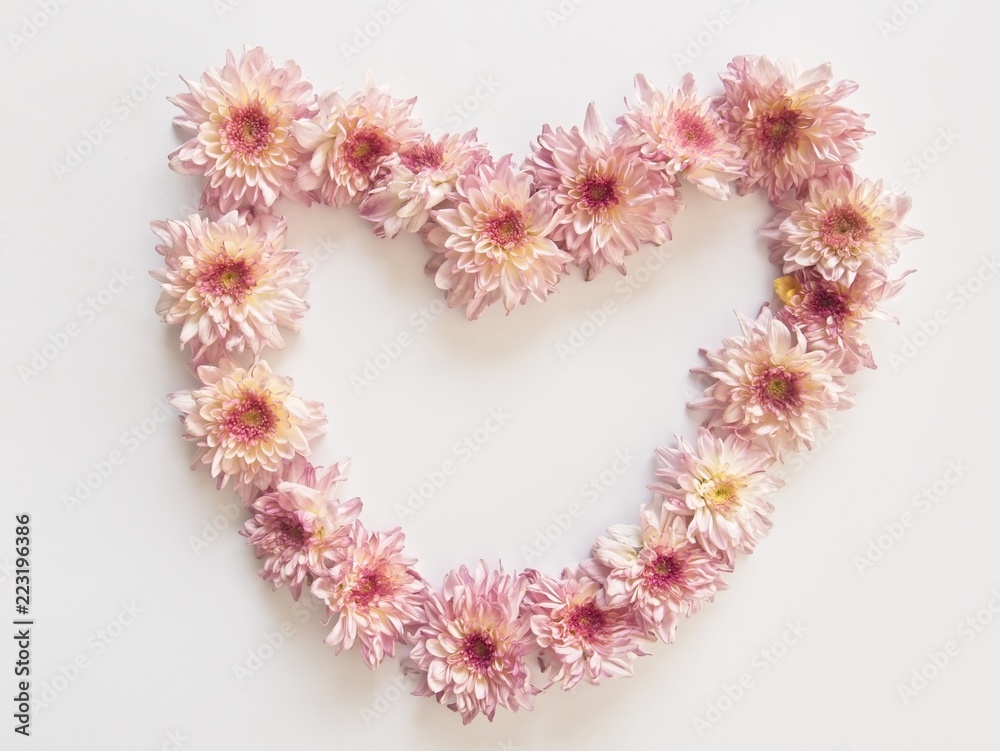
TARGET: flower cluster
(504,232)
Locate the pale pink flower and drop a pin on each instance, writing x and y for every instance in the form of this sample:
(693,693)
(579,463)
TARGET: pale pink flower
(296,524)
(842,228)
(611,201)
(247,422)
(655,570)
(581,638)
(768,385)
(722,488)
(470,651)
(420,178)
(683,135)
(493,243)
(229,284)
(831,315)
(789,123)
(372,589)
(351,139)
(241,117)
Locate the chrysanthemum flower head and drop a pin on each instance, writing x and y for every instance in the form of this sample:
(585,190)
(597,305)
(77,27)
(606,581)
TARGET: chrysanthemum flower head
(721,488)
(241,117)
(789,123)
(470,651)
(681,134)
(581,637)
(300,521)
(351,139)
(654,569)
(230,284)
(371,588)
(247,423)
(844,227)
(493,243)
(611,201)
(419,178)
(768,385)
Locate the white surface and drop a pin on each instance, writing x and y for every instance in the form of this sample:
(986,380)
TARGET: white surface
(172,670)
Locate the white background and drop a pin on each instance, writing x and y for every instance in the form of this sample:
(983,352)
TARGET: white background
(171,671)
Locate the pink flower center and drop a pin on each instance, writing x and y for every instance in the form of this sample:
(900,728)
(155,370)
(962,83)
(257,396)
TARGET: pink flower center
(827,302)
(664,572)
(844,227)
(248,131)
(288,533)
(478,650)
(693,131)
(422,158)
(778,391)
(365,149)
(598,192)
(506,229)
(587,621)
(251,419)
(778,131)
(229,278)
(370,585)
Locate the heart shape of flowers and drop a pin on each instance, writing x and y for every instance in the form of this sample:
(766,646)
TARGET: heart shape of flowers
(501,232)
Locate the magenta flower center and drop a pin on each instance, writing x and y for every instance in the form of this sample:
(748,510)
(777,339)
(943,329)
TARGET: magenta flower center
(828,303)
(423,158)
(251,419)
(248,131)
(365,149)
(778,391)
(844,227)
(229,278)
(778,131)
(478,650)
(288,533)
(506,229)
(371,584)
(663,572)
(692,131)
(587,621)
(599,192)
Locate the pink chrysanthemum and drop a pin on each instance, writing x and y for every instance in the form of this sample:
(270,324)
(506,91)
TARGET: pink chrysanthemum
(229,284)
(418,179)
(831,315)
(723,488)
(241,116)
(789,123)
(494,242)
(247,423)
(373,590)
(581,639)
(768,385)
(351,140)
(844,227)
(470,651)
(655,570)
(682,135)
(611,201)
(295,525)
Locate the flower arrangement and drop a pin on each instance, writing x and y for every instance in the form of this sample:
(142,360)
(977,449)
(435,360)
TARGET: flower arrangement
(498,231)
